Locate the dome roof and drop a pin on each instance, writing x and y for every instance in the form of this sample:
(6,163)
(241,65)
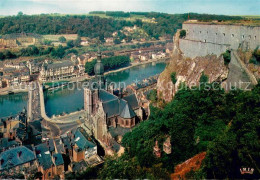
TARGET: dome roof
(99,67)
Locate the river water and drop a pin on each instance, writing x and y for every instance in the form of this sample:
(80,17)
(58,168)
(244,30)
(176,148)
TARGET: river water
(71,99)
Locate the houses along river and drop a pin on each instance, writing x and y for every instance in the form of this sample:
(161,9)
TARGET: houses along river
(70,99)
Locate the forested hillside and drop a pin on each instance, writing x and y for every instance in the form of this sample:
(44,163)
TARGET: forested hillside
(95,26)
(225,125)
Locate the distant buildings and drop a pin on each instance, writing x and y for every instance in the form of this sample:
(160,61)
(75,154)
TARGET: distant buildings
(57,71)
(19,39)
(14,74)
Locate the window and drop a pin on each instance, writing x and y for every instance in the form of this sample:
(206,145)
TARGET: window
(200,32)
(49,174)
(224,34)
(205,40)
(232,35)
(243,36)
(249,36)
(216,33)
(255,37)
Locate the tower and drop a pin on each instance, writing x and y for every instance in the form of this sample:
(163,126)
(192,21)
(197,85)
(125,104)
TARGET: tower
(99,71)
(88,101)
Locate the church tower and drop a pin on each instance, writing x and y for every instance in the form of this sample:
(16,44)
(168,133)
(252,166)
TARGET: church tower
(99,71)
(91,93)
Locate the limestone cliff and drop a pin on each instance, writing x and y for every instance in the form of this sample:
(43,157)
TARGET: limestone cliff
(189,71)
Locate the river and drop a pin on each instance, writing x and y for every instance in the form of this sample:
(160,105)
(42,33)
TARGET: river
(71,99)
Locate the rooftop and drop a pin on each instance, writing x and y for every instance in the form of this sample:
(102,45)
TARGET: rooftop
(16,156)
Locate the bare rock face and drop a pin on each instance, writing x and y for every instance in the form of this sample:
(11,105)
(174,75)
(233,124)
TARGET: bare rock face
(189,71)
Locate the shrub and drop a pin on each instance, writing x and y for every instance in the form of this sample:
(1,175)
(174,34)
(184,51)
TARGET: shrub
(173,77)
(62,39)
(182,33)
(203,78)
(227,57)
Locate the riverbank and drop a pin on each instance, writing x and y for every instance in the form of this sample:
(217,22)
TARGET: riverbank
(20,89)
(13,90)
(87,77)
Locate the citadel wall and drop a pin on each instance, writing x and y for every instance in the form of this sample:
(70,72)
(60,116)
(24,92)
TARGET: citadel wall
(203,39)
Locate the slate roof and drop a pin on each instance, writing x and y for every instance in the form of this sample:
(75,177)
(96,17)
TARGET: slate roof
(111,108)
(59,146)
(83,140)
(78,166)
(105,96)
(15,157)
(59,65)
(132,101)
(5,144)
(66,142)
(118,131)
(127,112)
(58,159)
(120,107)
(43,156)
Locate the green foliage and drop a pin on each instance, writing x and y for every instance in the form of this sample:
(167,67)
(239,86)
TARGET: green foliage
(182,33)
(227,57)
(256,54)
(70,44)
(152,96)
(109,63)
(117,41)
(62,39)
(2,56)
(59,52)
(204,78)
(226,125)
(173,77)
(239,145)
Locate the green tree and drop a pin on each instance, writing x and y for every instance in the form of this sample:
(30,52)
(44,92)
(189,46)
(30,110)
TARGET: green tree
(62,39)
(173,77)
(204,78)
(227,57)
(2,56)
(70,44)
(182,33)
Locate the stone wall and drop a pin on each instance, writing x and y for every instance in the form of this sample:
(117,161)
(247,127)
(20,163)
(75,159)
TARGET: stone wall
(192,48)
(203,39)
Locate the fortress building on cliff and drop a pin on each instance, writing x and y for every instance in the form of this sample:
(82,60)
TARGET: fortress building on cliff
(205,38)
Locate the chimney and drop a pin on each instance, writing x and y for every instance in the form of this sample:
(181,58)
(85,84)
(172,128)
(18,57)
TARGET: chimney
(19,153)
(2,161)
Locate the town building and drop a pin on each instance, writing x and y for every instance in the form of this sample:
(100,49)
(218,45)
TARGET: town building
(19,39)
(57,71)
(17,160)
(83,146)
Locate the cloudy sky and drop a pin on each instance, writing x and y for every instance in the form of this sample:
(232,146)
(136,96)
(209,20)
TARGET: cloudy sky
(228,7)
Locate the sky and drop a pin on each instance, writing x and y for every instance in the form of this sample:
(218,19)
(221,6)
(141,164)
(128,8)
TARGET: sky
(226,7)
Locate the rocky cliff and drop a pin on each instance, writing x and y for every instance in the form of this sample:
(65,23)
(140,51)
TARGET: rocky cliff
(189,71)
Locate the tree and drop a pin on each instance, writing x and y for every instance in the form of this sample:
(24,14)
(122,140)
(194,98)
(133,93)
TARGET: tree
(182,33)
(77,41)
(173,77)
(70,44)
(117,41)
(62,39)
(203,78)
(2,56)
(227,57)
(20,13)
